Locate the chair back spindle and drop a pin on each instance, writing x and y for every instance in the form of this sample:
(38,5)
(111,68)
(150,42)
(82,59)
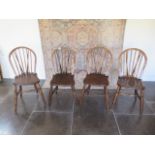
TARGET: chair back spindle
(99,60)
(132,62)
(23,61)
(63,60)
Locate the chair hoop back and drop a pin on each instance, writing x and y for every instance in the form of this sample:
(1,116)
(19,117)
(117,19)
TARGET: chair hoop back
(99,60)
(132,62)
(23,60)
(63,60)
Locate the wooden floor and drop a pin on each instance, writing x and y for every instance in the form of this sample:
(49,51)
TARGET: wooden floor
(65,116)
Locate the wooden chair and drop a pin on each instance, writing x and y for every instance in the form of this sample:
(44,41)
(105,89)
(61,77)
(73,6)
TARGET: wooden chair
(99,61)
(63,61)
(132,63)
(23,62)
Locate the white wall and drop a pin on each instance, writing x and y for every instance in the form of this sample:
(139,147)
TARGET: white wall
(141,34)
(15,33)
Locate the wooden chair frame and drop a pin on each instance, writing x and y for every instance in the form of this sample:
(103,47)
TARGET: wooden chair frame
(63,60)
(132,63)
(99,61)
(23,62)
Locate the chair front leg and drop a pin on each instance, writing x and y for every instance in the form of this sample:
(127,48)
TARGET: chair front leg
(141,100)
(50,94)
(88,89)
(16,92)
(20,90)
(56,89)
(136,95)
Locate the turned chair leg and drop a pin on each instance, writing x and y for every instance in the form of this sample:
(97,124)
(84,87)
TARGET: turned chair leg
(15,98)
(116,94)
(35,86)
(141,100)
(136,95)
(106,95)
(83,93)
(20,90)
(50,94)
(56,90)
(41,92)
(88,89)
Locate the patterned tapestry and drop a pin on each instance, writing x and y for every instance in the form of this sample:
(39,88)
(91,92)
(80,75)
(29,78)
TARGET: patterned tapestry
(81,35)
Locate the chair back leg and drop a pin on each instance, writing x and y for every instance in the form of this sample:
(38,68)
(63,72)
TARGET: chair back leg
(36,88)
(51,92)
(82,94)
(117,93)
(106,95)
(41,93)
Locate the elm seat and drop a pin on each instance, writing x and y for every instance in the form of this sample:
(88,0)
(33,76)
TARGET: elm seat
(130,82)
(96,79)
(26,79)
(63,79)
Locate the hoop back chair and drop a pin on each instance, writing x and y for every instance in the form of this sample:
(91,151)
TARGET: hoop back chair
(63,61)
(23,62)
(99,61)
(132,63)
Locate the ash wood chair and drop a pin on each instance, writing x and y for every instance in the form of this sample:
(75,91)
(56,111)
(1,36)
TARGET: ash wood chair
(23,62)
(63,61)
(132,63)
(99,61)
